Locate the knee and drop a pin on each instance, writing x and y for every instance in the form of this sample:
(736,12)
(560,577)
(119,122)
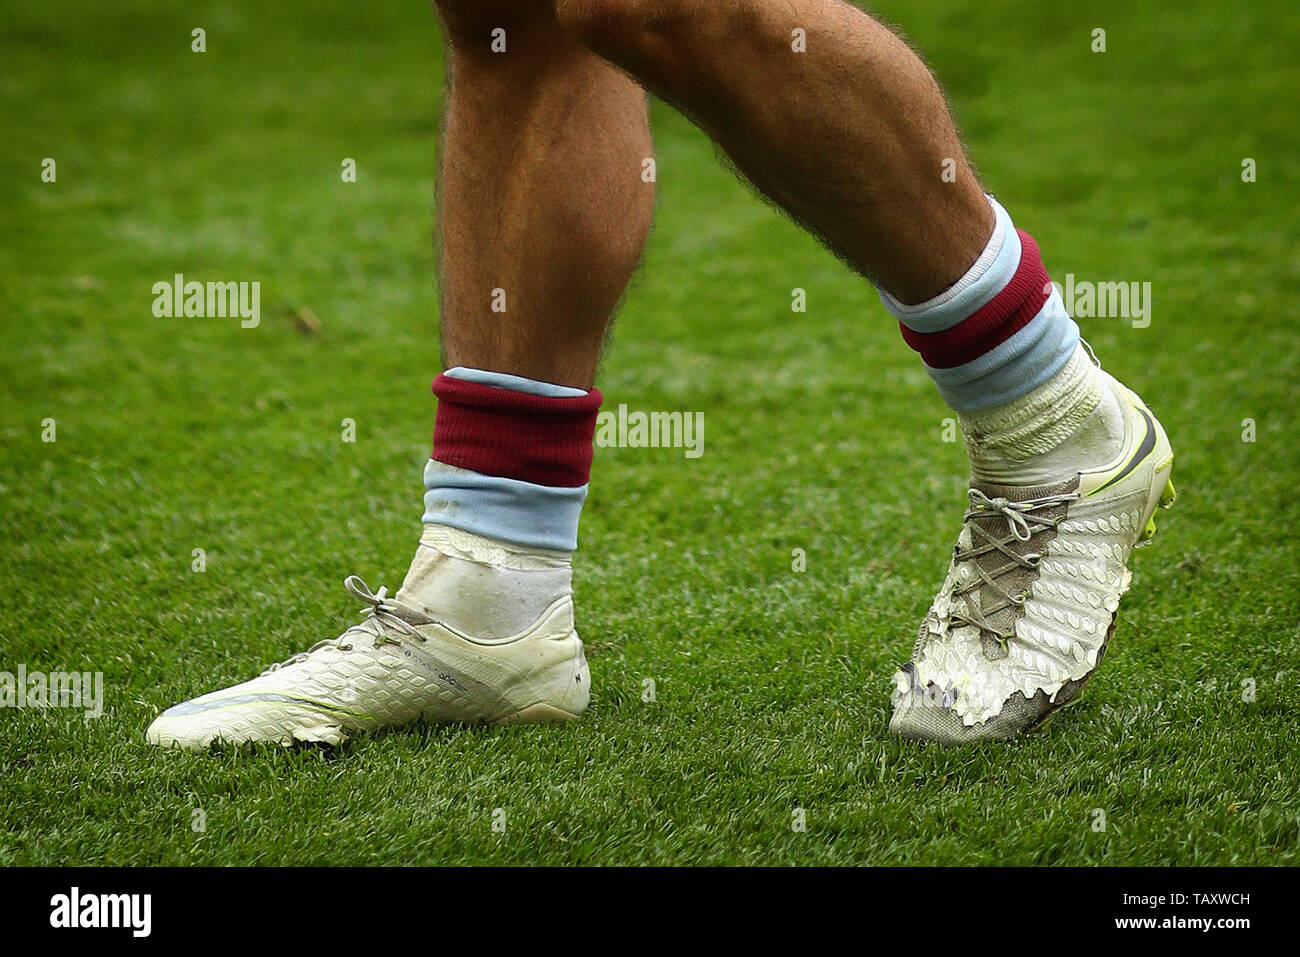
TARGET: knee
(650,36)
(468,24)
(596,19)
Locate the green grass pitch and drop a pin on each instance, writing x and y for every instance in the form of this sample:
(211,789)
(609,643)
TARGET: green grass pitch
(822,433)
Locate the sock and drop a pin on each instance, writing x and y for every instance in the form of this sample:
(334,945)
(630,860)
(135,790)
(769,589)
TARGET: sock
(481,586)
(1072,421)
(1007,357)
(511,458)
(504,492)
(996,334)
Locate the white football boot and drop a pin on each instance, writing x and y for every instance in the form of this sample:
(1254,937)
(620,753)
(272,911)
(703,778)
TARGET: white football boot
(399,665)
(1028,605)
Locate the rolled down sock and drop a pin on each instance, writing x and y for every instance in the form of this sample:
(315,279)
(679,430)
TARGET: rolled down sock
(999,332)
(511,457)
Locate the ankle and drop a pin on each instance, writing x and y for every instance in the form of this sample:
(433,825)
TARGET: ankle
(481,586)
(1071,422)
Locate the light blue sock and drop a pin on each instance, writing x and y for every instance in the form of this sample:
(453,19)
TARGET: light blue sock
(509,510)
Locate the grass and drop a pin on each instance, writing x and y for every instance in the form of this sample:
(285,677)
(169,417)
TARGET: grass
(822,434)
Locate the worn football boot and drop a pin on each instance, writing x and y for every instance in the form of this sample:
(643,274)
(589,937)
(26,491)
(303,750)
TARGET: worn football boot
(396,666)
(1029,602)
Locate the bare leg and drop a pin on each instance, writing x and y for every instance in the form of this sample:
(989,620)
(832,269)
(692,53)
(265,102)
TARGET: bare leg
(543,209)
(543,212)
(851,137)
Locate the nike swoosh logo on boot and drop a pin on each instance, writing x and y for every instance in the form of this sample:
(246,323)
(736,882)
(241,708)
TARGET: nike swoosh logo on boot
(1143,450)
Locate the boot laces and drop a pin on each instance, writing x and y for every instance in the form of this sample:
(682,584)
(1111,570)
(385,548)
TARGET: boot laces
(385,622)
(1023,522)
